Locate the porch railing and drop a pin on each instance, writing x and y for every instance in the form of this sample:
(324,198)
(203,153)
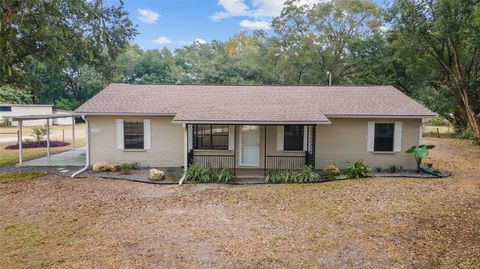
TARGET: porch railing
(214,161)
(284,162)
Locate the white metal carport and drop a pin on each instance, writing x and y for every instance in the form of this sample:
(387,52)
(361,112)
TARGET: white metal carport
(48,117)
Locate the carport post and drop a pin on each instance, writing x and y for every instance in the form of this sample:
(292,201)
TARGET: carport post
(48,137)
(73,133)
(20,140)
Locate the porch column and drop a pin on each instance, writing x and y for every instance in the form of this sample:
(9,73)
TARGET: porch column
(20,142)
(310,152)
(265,150)
(48,137)
(73,133)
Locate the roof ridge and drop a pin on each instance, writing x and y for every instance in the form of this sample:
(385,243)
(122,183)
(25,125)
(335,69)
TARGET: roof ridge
(252,85)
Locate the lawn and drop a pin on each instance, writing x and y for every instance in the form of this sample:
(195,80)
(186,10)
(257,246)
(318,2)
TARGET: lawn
(55,222)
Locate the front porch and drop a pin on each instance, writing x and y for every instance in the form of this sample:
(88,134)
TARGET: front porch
(250,151)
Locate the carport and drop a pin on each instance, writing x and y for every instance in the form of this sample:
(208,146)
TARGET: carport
(47,117)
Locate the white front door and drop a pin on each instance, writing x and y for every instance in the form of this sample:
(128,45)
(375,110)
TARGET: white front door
(250,145)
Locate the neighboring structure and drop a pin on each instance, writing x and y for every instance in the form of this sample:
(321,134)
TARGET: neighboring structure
(9,111)
(259,127)
(12,110)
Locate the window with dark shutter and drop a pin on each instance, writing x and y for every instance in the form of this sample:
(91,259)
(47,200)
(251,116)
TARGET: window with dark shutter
(384,136)
(207,136)
(5,108)
(133,134)
(293,137)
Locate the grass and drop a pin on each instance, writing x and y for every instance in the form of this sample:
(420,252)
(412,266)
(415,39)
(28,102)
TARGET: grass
(20,176)
(10,157)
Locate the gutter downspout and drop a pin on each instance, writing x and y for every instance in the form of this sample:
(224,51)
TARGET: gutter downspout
(87,142)
(185,159)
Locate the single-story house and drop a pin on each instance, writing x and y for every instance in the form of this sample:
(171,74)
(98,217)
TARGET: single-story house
(252,127)
(8,111)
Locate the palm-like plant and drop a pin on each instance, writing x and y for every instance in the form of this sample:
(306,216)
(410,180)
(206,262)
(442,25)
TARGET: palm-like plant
(420,152)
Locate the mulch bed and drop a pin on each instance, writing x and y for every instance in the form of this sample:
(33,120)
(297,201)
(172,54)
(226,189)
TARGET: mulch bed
(39,144)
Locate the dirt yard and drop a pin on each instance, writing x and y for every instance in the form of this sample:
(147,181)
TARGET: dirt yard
(54,222)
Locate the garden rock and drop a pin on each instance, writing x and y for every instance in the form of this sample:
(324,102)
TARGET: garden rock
(155,175)
(104,167)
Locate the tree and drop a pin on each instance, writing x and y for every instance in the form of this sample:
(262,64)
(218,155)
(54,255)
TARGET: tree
(446,34)
(13,95)
(58,31)
(316,39)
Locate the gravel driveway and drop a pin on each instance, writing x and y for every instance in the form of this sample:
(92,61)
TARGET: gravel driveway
(55,222)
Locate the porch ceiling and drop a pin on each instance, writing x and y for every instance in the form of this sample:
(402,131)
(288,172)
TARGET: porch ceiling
(259,114)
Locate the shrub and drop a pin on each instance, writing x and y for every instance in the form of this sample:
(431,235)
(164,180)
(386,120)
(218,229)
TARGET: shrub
(194,172)
(207,175)
(331,171)
(39,144)
(273,176)
(225,176)
(288,176)
(104,167)
(392,168)
(378,169)
(420,152)
(126,168)
(39,132)
(307,174)
(358,169)
(7,122)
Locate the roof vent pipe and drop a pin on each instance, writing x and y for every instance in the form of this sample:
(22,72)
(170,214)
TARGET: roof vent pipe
(329,78)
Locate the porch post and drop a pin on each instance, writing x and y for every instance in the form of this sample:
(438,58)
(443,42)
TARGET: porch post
(265,150)
(235,150)
(73,133)
(48,137)
(20,142)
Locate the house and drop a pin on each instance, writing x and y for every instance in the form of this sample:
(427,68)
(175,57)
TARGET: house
(252,127)
(8,111)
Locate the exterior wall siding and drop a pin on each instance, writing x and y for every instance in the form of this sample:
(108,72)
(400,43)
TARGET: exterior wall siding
(345,140)
(166,149)
(27,110)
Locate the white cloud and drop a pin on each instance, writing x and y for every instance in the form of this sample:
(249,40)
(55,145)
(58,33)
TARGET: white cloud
(162,40)
(148,16)
(200,41)
(258,8)
(255,25)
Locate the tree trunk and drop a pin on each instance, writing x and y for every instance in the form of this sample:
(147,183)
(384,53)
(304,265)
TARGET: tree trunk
(470,114)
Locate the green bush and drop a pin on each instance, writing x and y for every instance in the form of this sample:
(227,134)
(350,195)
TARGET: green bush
(126,168)
(197,173)
(194,173)
(225,176)
(288,176)
(273,176)
(39,132)
(358,169)
(207,175)
(331,171)
(306,174)
(420,153)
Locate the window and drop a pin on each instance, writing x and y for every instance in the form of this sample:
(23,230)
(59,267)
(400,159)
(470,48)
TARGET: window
(293,137)
(384,136)
(133,134)
(5,108)
(208,136)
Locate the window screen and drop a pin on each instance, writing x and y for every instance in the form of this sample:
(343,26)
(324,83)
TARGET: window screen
(133,132)
(208,136)
(384,136)
(293,137)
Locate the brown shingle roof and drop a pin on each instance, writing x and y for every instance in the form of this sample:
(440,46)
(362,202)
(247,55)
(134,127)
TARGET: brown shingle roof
(211,103)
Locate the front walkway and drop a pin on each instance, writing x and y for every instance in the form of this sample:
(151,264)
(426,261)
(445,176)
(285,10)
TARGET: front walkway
(75,157)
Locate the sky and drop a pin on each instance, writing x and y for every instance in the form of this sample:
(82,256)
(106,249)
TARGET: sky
(175,23)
